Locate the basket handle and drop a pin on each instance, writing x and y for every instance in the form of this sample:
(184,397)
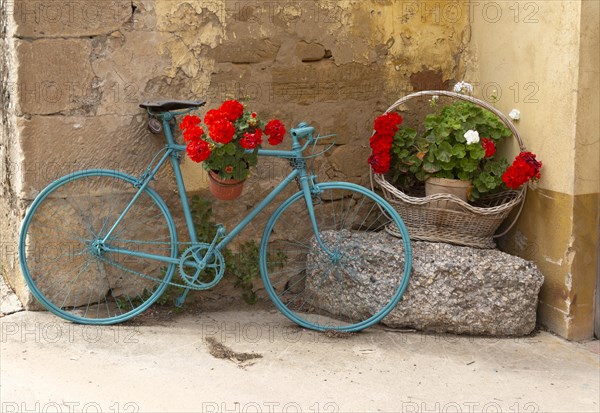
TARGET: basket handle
(484,105)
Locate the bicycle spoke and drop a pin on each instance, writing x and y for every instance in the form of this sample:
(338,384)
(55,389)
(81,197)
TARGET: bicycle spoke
(71,284)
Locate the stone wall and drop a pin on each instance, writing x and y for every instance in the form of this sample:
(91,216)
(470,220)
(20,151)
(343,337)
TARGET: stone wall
(83,67)
(9,153)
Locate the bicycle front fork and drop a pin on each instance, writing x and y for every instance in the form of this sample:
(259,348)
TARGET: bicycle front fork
(312,192)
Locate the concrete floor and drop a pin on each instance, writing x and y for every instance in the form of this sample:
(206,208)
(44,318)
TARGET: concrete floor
(163,363)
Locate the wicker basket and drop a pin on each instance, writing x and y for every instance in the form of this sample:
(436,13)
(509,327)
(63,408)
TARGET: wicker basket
(444,217)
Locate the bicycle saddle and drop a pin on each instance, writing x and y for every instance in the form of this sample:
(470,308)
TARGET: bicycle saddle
(167,105)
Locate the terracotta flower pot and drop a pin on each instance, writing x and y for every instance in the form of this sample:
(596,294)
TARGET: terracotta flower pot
(454,187)
(224,189)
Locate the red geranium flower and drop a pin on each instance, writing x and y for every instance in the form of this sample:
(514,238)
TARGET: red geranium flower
(381,143)
(251,140)
(276,131)
(235,126)
(189,121)
(385,127)
(213,116)
(488,146)
(198,151)
(380,162)
(232,109)
(524,168)
(222,131)
(529,158)
(388,124)
(193,133)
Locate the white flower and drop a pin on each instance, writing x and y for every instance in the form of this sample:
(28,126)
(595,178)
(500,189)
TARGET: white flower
(463,87)
(472,136)
(433,101)
(515,114)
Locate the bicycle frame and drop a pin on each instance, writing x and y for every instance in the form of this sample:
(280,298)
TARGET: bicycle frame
(173,152)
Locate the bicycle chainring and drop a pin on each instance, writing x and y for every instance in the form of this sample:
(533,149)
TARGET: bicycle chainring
(200,275)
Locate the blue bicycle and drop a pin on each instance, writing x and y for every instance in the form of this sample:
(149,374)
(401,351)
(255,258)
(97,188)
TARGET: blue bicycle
(100,246)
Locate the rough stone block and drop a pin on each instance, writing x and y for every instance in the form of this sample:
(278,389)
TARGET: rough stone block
(326,81)
(108,142)
(310,52)
(452,289)
(55,76)
(245,51)
(124,65)
(9,303)
(9,257)
(351,161)
(67,18)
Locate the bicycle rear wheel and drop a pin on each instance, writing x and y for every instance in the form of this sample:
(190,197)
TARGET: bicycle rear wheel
(64,260)
(326,282)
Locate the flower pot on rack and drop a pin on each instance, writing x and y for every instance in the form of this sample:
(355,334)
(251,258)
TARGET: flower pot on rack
(224,189)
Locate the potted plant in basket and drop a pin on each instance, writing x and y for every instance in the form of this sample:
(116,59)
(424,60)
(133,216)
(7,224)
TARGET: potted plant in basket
(454,152)
(231,146)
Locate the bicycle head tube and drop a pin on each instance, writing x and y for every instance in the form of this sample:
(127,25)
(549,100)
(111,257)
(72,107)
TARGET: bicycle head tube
(303,130)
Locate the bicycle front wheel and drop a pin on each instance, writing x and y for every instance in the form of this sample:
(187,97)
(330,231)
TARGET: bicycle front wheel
(325,279)
(63,251)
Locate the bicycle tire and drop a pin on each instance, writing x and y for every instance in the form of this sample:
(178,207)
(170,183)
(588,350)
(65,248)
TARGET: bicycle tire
(61,265)
(336,291)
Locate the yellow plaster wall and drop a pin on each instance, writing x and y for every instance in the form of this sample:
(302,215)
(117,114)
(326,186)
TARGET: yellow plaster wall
(533,64)
(542,58)
(587,145)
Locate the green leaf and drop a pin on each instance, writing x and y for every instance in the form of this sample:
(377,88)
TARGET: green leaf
(445,174)
(405,136)
(430,167)
(229,148)
(421,175)
(403,154)
(468,164)
(450,165)
(240,174)
(431,137)
(455,124)
(459,151)
(476,151)
(463,176)
(444,152)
